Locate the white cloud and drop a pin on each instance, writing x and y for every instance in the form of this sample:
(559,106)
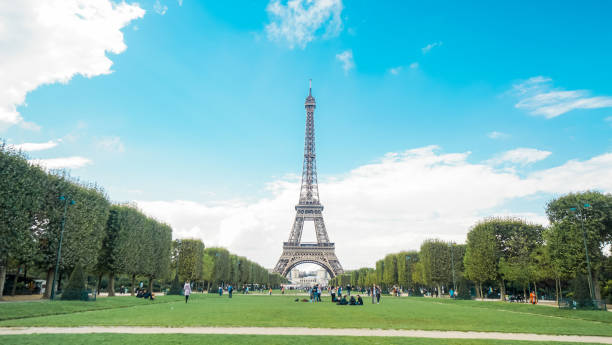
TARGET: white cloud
(180,2)
(379,208)
(62,163)
(45,42)
(398,69)
(159,8)
(498,135)
(299,22)
(395,70)
(609,120)
(539,97)
(346,58)
(111,144)
(520,156)
(29,147)
(430,46)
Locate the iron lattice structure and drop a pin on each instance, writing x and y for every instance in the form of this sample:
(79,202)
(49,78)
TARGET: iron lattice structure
(309,208)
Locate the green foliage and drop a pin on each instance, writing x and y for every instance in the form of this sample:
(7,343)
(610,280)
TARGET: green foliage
(390,272)
(75,289)
(436,258)
(565,237)
(480,259)
(190,253)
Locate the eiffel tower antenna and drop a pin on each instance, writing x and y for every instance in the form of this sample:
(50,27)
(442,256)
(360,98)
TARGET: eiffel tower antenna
(309,208)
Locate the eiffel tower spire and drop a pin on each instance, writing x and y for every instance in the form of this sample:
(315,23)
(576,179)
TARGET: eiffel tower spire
(309,208)
(309,193)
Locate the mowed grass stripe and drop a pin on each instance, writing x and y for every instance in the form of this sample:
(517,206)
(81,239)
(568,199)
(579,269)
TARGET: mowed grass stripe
(22,310)
(155,339)
(392,313)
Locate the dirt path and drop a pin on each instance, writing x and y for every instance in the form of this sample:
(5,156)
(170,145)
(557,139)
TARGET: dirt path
(305,331)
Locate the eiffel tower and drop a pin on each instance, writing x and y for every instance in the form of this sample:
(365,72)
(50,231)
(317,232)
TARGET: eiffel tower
(296,252)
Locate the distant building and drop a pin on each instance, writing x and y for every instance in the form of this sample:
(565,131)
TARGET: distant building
(306,279)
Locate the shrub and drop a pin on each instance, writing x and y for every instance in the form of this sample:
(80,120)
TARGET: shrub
(75,289)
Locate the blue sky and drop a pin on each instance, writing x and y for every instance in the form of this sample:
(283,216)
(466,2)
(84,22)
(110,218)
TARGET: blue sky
(202,110)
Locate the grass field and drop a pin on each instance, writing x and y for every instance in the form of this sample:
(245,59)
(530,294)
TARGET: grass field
(154,339)
(282,311)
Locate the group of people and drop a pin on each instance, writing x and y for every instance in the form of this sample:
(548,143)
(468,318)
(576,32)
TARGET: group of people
(315,293)
(350,301)
(375,292)
(144,293)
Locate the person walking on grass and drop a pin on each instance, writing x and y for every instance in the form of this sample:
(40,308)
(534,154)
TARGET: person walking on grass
(187,289)
(374,294)
(377,295)
(230,289)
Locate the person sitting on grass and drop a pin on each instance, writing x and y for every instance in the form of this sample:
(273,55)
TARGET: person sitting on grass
(148,295)
(139,293)
(343,301)
(353,301)
(359,300)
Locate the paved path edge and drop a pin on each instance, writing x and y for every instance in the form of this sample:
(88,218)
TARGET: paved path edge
(305,331)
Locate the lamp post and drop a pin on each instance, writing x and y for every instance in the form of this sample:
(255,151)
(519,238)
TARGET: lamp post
(59,248)
(586,250)
(451,245)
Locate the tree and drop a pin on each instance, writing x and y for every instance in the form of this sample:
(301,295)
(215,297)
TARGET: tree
(380,270)
(436,258)
(512,241)
(480,259)
(21,190)
(190,259)
(390,272)
(565,237)
(84,227)
(404,267)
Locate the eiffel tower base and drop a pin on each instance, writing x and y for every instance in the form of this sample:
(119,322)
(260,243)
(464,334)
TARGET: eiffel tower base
(322,254)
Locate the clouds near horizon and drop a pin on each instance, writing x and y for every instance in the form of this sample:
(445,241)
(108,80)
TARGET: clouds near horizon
(382,207)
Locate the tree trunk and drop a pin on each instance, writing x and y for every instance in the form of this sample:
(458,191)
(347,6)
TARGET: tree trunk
(439,291)
(99,283)
(535,289)
(2,276)
(479,290)
(15,281)
(50,274)
(208,287)
(133,282)
(111,284)
(151,284)
(596,286)
(525,294)
(502,290)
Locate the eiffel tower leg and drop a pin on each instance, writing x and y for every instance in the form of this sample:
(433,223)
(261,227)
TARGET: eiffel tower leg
(320,230)
(296,231)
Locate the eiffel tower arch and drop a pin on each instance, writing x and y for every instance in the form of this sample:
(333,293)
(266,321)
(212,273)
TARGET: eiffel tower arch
(309,208)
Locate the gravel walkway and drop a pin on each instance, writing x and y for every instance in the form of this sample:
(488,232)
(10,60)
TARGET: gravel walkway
(306,331)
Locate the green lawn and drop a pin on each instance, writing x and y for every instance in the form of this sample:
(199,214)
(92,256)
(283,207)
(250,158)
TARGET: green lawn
(153,339)
(282,311)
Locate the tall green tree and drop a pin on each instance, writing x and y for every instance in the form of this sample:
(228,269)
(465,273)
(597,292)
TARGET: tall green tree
(480,259)
(190,256)
(593,213)
(21,190)
(390,272)
(436,258)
